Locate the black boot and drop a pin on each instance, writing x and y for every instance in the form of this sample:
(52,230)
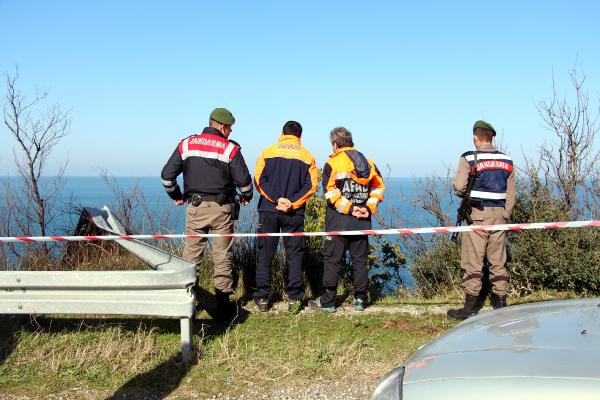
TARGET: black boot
(468,309)
(481,300)
(498,301)
(485,287)
(225,309)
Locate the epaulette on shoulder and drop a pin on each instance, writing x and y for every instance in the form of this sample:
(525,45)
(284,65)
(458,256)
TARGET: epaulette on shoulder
(236,143)
(467,153)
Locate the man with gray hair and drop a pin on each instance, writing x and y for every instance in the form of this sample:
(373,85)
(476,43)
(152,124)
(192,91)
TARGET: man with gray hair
(353,188)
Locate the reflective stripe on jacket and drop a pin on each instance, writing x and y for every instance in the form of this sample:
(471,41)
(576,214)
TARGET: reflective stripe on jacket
(285,169)
(350,179)
(211,165)
(493,170)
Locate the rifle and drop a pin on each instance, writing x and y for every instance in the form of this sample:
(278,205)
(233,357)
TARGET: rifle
(235,207)
(466,205)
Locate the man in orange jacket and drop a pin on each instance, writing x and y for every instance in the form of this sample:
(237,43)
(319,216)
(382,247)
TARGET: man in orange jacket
(353,188)
(286,177)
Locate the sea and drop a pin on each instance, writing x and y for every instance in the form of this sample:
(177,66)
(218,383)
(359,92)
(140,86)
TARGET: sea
(402,207)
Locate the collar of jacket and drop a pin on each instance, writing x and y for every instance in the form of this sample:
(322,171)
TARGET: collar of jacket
(343,149)
(213,131)
(486,147)
(289,139)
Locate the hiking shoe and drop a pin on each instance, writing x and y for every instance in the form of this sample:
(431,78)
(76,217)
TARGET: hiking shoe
(262,305)
(359,304)
(295,306)
(316,305)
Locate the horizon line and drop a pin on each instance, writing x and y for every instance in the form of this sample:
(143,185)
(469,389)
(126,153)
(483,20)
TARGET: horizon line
(158,176)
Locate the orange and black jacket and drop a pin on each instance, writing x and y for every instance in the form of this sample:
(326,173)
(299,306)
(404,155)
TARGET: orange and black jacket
(285,169)
(350,180)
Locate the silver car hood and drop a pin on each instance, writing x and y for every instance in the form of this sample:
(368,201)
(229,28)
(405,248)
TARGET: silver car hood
(552,341)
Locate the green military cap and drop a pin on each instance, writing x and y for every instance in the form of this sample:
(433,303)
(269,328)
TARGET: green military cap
(223,116)
(484,125)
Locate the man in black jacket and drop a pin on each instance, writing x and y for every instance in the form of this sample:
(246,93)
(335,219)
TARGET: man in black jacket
(212,167)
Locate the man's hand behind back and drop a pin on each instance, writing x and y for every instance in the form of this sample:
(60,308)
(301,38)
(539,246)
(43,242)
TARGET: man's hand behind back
(360,212)
(283,205)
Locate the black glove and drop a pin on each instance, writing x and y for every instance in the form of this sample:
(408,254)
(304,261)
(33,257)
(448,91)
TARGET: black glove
(247,196)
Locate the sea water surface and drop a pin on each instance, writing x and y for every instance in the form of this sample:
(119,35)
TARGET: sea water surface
(93,191)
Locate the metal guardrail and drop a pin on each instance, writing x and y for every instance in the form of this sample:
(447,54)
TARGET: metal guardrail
(163,291)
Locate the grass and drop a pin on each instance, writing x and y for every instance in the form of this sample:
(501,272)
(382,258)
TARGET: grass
(118,358)
(131,358)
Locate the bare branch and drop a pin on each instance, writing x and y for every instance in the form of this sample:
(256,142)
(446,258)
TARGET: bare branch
(569,163)
(36,138)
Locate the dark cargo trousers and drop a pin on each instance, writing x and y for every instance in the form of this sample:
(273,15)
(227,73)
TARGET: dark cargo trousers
(334,252)
(267,246)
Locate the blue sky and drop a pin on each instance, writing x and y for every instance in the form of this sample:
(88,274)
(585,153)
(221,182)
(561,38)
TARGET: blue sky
(407,78)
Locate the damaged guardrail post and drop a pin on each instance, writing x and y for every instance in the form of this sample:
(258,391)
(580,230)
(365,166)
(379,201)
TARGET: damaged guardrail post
(165,290)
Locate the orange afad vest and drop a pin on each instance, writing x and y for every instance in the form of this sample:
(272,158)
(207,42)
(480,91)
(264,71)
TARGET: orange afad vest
(353,181)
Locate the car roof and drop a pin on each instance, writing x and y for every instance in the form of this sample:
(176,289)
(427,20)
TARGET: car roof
(556,339)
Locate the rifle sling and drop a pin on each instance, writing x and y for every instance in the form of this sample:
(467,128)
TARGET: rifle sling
(464,209)
(471,180)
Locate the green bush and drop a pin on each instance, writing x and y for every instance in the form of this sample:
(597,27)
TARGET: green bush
(437,271)
(561,259)
(314,221)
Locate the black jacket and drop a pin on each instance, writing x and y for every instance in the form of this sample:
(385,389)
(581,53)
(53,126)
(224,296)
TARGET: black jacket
(211,165)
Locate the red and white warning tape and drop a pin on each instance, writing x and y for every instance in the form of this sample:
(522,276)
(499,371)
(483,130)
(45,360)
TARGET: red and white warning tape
(399,231)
